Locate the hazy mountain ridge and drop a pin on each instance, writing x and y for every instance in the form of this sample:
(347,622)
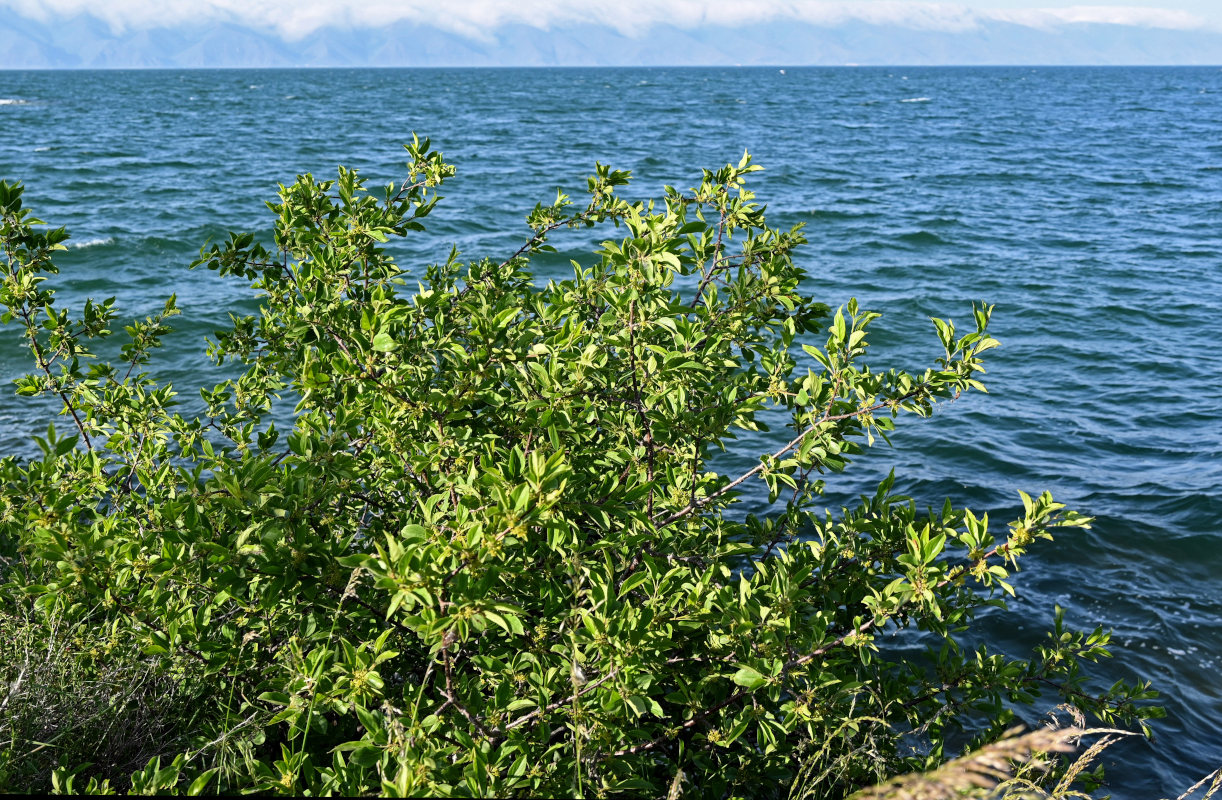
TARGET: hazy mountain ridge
(86,42)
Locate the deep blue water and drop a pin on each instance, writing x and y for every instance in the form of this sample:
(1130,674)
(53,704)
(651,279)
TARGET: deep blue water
(1085,203)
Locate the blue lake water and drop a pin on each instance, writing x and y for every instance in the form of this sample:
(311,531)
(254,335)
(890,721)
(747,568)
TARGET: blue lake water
(1085,203)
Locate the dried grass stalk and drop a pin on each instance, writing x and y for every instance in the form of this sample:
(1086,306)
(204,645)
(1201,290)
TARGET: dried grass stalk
(990,768)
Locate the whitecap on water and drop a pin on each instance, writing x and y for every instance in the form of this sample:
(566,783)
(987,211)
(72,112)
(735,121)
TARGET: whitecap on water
(95,242)
(916,100)
(13,101)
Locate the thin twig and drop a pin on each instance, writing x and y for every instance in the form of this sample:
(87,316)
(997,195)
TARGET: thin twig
(713,267)
(589,687)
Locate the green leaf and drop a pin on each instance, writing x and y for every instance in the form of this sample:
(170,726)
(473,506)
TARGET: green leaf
(749,678)
(201,782)
(633,581)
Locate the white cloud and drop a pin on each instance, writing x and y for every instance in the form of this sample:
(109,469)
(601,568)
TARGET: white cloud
(1113,15)
(293,19)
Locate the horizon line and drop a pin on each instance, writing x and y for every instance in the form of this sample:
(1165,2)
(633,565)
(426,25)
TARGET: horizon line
(778,65)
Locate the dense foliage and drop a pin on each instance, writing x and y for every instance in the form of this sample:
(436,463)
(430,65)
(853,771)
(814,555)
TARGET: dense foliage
(484,553)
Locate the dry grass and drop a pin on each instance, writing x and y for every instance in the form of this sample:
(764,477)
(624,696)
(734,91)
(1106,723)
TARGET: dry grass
(66,702)
(983,773)
(1018,767)
(1214,779)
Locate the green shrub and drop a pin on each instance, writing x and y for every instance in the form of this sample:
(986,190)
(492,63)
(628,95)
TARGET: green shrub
(484,553)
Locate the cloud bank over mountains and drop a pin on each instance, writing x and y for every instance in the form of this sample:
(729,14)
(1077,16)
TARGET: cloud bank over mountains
(224,33)
(295,19)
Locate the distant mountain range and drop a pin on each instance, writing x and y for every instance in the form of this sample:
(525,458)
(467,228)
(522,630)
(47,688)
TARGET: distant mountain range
(87,42)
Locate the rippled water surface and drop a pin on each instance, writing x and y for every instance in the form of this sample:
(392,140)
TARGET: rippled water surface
(1085,203)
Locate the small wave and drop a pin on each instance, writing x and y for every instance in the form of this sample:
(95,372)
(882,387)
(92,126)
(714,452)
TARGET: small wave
(916,100)
(1068,243)
(832,213)
(42,149)
(13,101)
(1141,184)
(95,242)
(922,237)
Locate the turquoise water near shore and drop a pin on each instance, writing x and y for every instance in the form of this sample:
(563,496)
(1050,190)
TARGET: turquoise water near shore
(1086,203)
